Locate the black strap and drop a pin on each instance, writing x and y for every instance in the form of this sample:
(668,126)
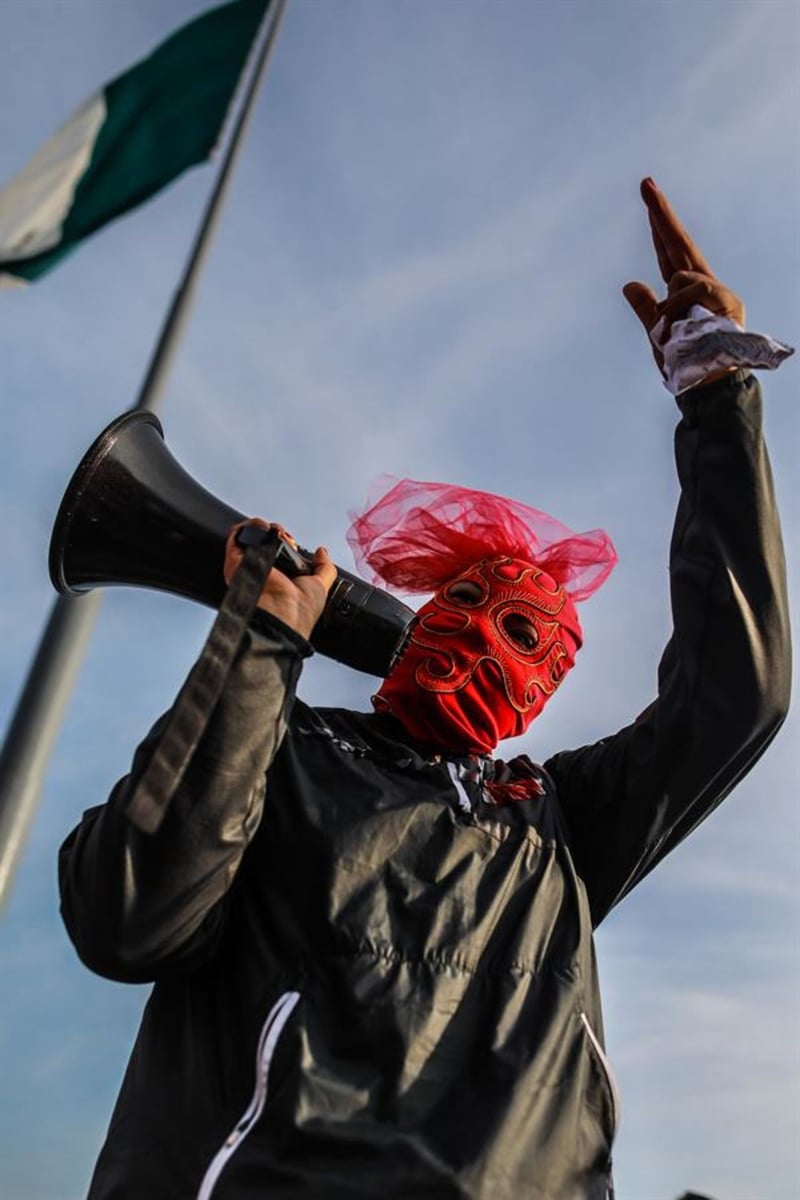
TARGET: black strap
(198,697)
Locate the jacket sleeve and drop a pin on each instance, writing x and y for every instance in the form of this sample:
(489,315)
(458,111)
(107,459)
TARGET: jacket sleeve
(724,678)
(138,906)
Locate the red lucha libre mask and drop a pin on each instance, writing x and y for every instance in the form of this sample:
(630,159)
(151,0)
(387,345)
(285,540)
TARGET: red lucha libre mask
(484,656)
(491,647)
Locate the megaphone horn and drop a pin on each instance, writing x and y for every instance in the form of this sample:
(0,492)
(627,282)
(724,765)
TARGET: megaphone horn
(132,516)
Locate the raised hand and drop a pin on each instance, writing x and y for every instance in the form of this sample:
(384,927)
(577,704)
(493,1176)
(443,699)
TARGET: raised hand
(688,276)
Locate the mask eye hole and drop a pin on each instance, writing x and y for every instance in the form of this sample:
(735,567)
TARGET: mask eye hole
(466,592)
(520,630)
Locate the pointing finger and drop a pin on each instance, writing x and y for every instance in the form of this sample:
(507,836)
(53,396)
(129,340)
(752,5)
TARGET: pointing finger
(662,254)
(681,252)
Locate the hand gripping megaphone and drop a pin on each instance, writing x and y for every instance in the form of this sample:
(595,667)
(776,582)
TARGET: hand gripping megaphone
(132,516)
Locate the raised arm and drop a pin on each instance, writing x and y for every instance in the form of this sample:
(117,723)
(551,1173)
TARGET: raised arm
(138,905)
(723,681)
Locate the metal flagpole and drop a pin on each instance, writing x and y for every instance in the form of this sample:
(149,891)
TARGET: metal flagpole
(37,719)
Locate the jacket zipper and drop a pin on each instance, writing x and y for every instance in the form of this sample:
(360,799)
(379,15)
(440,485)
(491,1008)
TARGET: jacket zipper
(273,1027)
(606,1067)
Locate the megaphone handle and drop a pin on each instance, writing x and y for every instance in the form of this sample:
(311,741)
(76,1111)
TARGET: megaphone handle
(292,562)
(197,699)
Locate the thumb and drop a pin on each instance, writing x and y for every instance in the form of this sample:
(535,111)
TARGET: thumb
(643,301)
(324,568)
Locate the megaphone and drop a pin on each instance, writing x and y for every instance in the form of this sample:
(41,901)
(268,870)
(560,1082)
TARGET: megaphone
(132,516)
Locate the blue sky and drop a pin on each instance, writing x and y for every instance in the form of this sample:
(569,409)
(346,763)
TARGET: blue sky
(419,272)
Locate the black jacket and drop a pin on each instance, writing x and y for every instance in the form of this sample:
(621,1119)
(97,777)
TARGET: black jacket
(371,984)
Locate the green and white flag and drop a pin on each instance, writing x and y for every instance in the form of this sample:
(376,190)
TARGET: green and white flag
(127,141)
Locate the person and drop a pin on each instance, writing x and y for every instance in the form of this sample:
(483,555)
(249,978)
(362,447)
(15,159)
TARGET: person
(370,939)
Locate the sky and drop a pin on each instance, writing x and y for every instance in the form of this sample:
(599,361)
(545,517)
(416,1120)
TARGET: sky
(419,272)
